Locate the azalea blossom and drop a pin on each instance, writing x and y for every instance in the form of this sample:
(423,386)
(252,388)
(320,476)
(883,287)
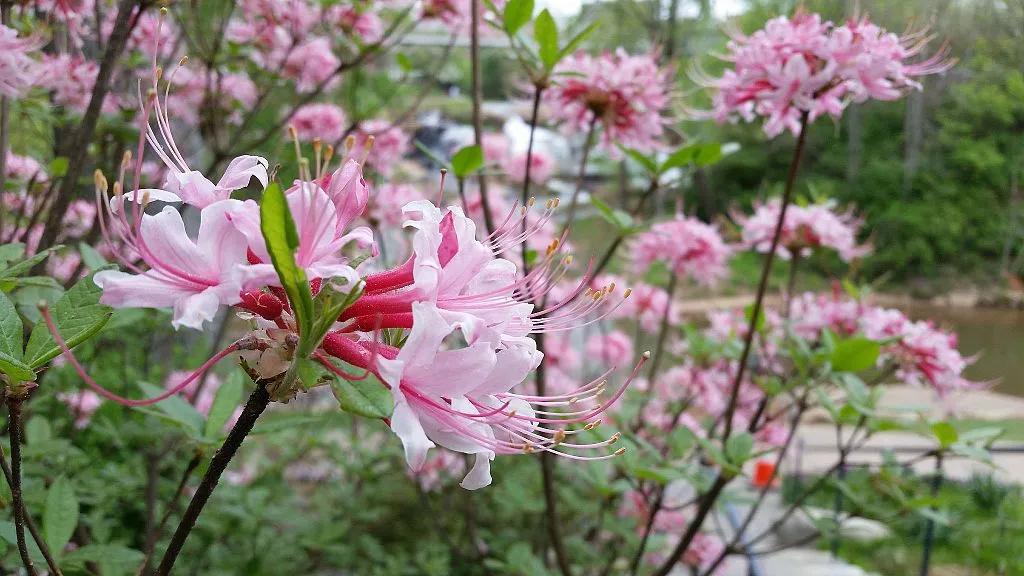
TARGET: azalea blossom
(806,228)
(18,69)
(614,348)
(390,144)
(687,246)
(541,167)
(324,121)
(82,404)
(807,65)
(624,95)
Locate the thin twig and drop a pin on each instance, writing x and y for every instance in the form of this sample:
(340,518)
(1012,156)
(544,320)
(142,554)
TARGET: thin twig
(14,400)
(257,403)
(478,96)
(538,90)
(708,501)
(581,177)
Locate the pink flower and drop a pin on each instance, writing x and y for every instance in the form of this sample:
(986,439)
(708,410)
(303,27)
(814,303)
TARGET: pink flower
(24,168)
(614,348)
(82,404)
(647,304)
(807,228)
(495,146)
(624,94)
(541,167)
(323,121)
(194,277)
(386,205)
(390,144)
(437,469)
(687,246)
(364,24)
(18,69)
(311,64)
(703,550)
(806,65)
(71,78)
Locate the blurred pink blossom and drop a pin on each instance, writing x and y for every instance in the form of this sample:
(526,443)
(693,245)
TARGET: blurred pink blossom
(323,121)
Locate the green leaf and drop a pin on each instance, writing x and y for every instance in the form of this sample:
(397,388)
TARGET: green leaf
(93,260)
(467,160)
(78,315)
(748,313)
(282,241)
(945,433)
(617,218)
(708,154)
(227,398)
(37,430)
(60,516)
(545,33)
(517,14)
(649,163)
(7,532)
(58,167)
(403,61)
(11,330)
(855,355)
(366,397)
(113,557)
(680,158)
(22,266)
(578,39)
(16,369)
(976,453)
(312,373)
(739,447)
(9,252)
(174,409)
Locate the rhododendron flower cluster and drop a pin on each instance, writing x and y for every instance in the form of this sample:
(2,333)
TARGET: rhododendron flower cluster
(806,229)
(18,68)
(467,311)
(920,353)
(806,65)
(624,95)
(687,246)
(323,121)
(389,144)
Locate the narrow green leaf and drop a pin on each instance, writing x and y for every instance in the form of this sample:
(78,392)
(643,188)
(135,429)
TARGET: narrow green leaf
(78,315)
(22,266)
(578,39)
(467,160)
(708,154)
(945,433)
(621,220)
(517,14)
(60,516)
(647,162)
(225,401)
(545,33)
(282,240)
(681,158)
(367,397)
(12,334)
(855,355)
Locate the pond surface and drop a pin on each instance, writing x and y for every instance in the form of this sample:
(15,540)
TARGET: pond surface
(996,335)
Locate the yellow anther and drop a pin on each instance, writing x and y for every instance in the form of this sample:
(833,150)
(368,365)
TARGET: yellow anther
(100,181)
(163,11)
(615,438)
(559,436)
(183,60)
(573,400)
(619,452)
(627,292)
(350,143)
(647,355)
(159,72)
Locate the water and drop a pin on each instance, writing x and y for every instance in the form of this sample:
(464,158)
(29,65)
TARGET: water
(996,335)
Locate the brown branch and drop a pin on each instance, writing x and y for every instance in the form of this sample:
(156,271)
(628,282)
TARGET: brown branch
(78,145)
(254,407)
(14,400)
(478,96)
